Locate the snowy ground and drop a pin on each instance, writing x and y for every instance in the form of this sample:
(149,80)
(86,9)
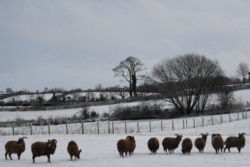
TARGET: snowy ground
(100,150)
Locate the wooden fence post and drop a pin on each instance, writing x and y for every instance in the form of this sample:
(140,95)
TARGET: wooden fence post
(221,119)
(150,128)
(126,127)
(82,127)
(203,122)
(49,127)
(238,117)
(98,130)
(13,128)
(67,132)
(183,124)
(113,129)
(161,125)
(194,122)
(212,120)
(31,132)
(138,127)
(172,124)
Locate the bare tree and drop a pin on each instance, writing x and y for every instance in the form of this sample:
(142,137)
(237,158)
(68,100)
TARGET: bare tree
(243,71)
(187,80)
(128,69)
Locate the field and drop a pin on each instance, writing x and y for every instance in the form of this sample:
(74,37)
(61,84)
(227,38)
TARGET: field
(100,150)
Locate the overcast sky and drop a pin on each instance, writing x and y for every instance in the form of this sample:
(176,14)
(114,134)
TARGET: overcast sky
(76,43)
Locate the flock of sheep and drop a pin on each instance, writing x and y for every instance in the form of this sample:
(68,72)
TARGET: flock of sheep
(128,145)
(171,143)
(39,149)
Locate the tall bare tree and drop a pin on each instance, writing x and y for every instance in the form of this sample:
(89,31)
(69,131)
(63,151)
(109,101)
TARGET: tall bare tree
(187,80)
(243,71)
(128,69)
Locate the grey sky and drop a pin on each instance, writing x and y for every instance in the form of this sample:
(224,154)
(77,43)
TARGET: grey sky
(76,43)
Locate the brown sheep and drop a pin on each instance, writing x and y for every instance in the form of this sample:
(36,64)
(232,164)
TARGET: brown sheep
(126,145)
(132,139)
(43,149)
(238,142)
(217,143)
(13,146)
(170,143)
(153,144)
(200,142)
(73,150)
(187,146)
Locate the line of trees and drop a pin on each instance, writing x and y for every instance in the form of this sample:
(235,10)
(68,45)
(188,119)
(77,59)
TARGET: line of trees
(186,81)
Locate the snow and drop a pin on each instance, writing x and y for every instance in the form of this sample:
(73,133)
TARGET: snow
(100,150)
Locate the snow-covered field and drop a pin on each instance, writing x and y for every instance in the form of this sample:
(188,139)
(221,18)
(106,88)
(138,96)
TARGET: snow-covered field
(100,150)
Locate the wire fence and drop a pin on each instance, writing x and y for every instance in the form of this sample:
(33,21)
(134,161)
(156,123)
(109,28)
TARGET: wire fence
(124,127)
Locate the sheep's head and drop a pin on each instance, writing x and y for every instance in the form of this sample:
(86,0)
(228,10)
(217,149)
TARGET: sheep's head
(52,145)
(78,154)
(21,140)
(130,138)
(241,135)
(179,136)
(204,136)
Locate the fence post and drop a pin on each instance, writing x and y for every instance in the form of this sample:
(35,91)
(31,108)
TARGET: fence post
(229,117)
(113,129)
(49,127)
(194,122)
(161,125)
(212,120)
(13,128)
(202,121)
(82,127)
(150,126)
(183,124)
(138,128)
(98,130)
(238,117)
(221,119)
(126,127)
(31,128)
(172,124)
(67,132)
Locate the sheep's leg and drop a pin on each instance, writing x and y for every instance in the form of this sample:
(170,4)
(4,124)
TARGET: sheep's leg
(33,158)
(71,156)
(10,156)
(48,155)
(19,155)
(239,149)
(6,156)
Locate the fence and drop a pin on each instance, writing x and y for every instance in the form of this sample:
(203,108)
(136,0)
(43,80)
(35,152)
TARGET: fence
(116,127)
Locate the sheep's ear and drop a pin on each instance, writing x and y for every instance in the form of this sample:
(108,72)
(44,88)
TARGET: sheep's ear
(207,134)
(80,150)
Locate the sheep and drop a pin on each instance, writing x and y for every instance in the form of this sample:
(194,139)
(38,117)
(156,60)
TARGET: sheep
(217,143)
(187,146)
(43,149)
(200,142)
(170,143)
(153,144)
(126,146)
(132,139)
(238,142)
(73,150)
(13,146)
